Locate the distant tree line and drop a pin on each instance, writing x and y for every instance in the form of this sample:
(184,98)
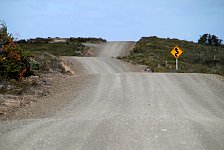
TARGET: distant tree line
(63,40)
(84,40)
(208,39)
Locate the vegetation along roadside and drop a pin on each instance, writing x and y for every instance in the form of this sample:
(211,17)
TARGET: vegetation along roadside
(29,67)
(206,57)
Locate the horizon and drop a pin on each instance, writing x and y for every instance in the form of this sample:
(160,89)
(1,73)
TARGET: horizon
(114,20)
(109,40)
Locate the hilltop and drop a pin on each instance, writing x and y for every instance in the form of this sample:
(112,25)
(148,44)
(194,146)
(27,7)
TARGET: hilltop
(196,58)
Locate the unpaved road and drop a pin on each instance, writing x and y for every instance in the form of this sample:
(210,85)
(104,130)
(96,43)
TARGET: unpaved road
(129,110)
(112,49)
(100,65)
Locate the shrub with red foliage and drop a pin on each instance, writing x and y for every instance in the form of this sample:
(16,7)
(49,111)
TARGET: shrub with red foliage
(14,62)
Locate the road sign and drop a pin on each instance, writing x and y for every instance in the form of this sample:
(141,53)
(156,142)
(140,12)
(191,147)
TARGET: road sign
(176,52)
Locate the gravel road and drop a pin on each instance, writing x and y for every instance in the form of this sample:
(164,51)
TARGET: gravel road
(100,65)
(124,109)
(112,49)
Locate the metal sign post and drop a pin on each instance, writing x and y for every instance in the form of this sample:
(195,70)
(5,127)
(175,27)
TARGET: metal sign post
(176,64)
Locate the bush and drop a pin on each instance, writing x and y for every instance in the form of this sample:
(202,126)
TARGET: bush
(208,39)
(14,62)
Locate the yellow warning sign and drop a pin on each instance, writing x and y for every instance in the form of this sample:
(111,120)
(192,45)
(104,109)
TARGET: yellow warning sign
(176,52)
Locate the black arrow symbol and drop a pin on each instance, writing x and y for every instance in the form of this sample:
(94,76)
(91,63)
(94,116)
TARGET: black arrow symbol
(176,49)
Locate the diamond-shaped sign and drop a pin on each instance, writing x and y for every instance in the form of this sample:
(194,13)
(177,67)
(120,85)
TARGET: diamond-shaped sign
(176,52)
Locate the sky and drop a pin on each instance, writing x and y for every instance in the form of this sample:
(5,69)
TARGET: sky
(114,20)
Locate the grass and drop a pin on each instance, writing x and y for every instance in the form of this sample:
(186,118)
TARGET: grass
(47,54)
(57,49)
(155,53)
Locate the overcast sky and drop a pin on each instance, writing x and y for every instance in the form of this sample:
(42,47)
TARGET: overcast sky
(114,19)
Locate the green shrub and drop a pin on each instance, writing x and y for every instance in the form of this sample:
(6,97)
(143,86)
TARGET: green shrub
(14,62)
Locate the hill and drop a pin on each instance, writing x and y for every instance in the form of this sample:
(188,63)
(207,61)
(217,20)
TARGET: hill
(196,58)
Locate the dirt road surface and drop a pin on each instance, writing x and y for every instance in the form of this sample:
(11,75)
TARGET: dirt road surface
(123,109)
(112,49)
(100,65)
